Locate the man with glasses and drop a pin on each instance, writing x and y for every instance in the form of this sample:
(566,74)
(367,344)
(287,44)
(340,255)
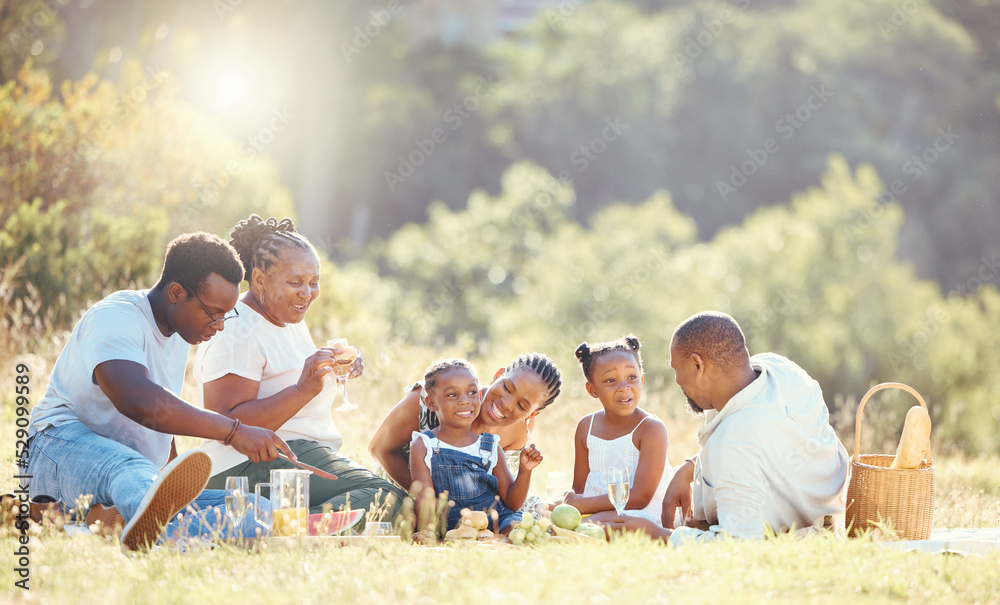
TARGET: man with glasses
(213,321)
(106,422)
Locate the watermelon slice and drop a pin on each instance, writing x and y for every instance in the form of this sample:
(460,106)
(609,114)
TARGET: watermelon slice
(337,521)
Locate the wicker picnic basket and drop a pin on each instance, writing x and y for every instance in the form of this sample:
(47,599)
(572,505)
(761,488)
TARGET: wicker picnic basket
(878,494)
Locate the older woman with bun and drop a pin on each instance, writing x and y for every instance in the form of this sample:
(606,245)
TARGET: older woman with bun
(517,394)
(265,370)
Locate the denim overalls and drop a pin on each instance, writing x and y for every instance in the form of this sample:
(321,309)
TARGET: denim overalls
(468,481)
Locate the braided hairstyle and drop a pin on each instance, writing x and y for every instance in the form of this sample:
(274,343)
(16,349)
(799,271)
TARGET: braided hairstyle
(587,353)
(546,370)
(443,365)
(259,242)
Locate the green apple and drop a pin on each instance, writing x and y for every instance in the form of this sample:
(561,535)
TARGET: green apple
(591,529)
(566,516)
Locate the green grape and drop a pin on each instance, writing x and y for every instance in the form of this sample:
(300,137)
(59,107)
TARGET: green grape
(517,536)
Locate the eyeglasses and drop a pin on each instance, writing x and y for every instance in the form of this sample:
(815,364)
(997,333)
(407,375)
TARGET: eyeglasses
(213,320)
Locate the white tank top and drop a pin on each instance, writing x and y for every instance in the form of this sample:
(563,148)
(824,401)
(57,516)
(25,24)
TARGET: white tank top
(621,451)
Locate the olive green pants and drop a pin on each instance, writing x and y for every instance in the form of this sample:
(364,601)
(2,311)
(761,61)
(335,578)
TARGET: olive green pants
(355,487)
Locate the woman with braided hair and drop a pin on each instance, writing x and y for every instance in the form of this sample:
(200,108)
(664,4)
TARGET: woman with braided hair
(509,406)
(265,370)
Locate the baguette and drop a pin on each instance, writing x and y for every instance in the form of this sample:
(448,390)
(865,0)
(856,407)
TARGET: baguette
(915,442)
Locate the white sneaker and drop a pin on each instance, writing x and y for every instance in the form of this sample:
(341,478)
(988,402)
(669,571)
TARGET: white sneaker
(178,484)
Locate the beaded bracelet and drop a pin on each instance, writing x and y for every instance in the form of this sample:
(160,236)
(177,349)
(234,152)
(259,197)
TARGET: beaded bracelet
(232,433)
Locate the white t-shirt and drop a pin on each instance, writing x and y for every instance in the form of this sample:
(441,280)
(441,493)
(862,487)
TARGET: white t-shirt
(770,456)
(254,348)
(120,327)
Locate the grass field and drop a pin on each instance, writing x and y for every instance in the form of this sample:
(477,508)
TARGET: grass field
(815,569)
(819,569)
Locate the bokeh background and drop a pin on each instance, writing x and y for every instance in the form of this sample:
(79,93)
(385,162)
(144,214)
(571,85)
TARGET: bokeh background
(489,177)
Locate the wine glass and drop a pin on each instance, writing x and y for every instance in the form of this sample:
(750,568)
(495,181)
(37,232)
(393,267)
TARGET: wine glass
(555,485)
(342,367)
(618,487)
(237,501)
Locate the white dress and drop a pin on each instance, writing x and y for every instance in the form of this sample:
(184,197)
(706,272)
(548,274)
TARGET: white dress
(604,453)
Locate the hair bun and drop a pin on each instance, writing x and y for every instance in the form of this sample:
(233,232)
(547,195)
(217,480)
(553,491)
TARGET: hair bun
(284,225)
(632,342)
(583,351)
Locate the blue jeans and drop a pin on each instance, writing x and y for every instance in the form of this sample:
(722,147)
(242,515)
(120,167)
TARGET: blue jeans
(68,461)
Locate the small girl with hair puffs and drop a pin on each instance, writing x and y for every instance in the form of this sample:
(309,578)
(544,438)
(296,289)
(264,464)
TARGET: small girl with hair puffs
(622,434)
(453,458)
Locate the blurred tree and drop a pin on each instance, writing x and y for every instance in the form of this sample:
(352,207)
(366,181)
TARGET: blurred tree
(94,182)
(463,266)
(816,280)
(729,105)
(731,108)
(418,135)
(979,18)
(30,29)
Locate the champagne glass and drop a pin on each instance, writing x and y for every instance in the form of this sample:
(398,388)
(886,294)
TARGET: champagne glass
(618,487)
(237,501)
(555,485)
(342,367)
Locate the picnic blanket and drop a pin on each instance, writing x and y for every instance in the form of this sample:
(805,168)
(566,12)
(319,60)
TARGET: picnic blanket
(963,541)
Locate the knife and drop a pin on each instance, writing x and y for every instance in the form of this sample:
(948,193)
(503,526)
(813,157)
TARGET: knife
(308,467)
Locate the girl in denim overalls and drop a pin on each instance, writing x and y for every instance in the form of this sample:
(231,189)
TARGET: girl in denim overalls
(452,458)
